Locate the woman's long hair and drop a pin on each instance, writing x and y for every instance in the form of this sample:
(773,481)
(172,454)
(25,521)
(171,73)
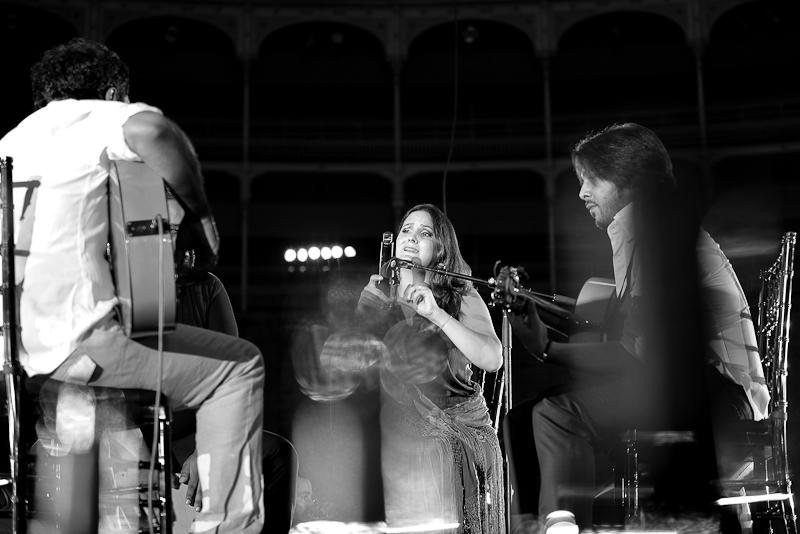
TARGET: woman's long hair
(447,290)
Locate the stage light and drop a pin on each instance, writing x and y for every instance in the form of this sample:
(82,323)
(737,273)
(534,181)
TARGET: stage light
(316,253)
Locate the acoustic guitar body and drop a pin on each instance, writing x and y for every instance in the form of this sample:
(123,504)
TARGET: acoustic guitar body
(136,197)
(592,305)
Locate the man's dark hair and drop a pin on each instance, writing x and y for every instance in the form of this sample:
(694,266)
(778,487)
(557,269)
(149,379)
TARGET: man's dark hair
(628,155)
(80,69)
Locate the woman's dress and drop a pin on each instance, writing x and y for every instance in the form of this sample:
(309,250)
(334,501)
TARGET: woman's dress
(441,458)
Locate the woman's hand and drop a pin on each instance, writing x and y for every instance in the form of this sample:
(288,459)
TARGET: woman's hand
(421,299)
(373,287)
(372,297)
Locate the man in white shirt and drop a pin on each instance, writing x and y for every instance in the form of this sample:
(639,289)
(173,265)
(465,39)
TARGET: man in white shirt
(69,325)
(666,274)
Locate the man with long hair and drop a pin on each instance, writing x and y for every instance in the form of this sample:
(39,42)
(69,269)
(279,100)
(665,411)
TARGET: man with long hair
(70,329)
(679,346)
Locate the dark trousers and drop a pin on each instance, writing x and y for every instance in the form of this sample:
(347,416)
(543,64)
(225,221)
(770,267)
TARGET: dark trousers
(571,428)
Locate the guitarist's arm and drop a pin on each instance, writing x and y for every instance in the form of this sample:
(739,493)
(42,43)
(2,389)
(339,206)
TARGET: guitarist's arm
(596,357)
(164,147)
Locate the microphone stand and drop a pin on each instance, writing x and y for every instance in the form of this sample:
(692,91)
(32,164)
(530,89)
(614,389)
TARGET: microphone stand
(507,290)
(502,394)
(11,365)
(504,400)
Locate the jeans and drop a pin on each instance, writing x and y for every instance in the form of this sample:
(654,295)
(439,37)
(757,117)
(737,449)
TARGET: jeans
(220,376)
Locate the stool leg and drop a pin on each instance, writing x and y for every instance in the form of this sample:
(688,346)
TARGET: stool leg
(630,481)
(161,516)
(165,453)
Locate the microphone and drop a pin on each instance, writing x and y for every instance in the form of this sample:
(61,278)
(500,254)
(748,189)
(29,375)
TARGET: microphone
(386,267)
(386,253)
(397,263)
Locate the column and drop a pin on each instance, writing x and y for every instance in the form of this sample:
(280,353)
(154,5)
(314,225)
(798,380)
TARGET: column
(549,175)
(244,184)
(398,178)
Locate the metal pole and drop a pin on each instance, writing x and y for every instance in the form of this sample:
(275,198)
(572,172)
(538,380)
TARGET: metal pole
(11,368)
(506,406)
(244,193)
(549,179)
(780,399)
(397,134)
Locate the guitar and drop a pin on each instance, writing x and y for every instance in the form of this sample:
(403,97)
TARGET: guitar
(592,305)
(136,197)
(579,319)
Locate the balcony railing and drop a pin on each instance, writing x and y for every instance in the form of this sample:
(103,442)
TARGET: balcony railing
(486,138)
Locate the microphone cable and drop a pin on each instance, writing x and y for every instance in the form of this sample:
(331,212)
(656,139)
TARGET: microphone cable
(157,403)
(454,121)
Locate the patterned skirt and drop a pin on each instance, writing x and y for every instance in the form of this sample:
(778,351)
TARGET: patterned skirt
(441,467)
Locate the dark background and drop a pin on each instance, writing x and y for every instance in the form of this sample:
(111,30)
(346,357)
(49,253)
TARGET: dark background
(321,122)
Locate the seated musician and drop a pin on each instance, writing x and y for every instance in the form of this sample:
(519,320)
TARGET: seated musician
(69,325)
(203,301)
(655,325)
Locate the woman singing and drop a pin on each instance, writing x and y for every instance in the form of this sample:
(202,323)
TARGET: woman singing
(441,459)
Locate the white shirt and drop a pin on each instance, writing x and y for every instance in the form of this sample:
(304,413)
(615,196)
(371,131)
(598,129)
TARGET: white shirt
(732,347)
(67,286)
(621,234)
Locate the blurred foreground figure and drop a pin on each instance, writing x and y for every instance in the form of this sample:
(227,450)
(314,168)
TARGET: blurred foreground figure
(440,455)
(678,347)
(70,328)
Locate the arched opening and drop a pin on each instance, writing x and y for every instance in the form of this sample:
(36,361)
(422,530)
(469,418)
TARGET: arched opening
(623,63)
(28,32)
(479,69)
(190,71)
(752,55)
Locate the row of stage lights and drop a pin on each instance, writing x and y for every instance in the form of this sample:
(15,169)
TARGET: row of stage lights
(302,254)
